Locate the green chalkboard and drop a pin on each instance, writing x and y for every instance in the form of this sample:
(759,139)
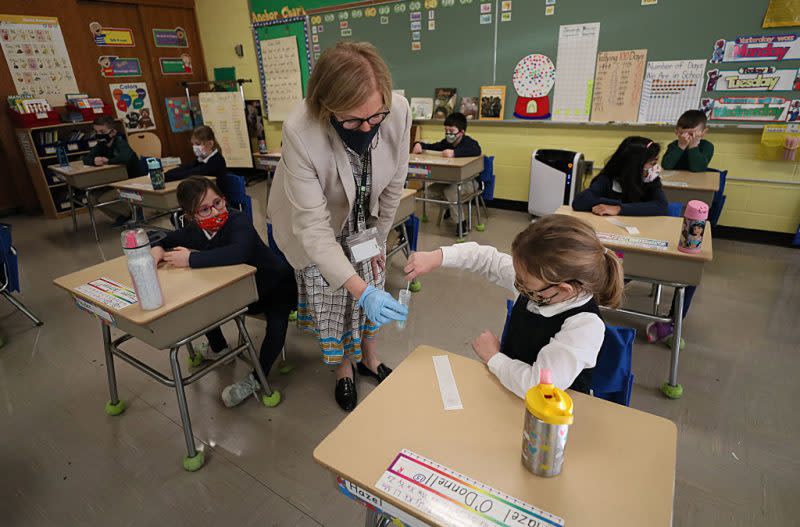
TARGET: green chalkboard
(456,49)
(465,54)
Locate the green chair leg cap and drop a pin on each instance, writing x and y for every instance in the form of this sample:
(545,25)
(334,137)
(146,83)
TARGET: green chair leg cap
(272,400)
(480,227)
(460,240)
(415,287)
(293,316)
(672,392)
(195,361)
(424,218)
(285,367)
(193,464)
(115,409)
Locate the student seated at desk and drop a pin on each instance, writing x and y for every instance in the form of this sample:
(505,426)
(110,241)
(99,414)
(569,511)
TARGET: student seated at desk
(561,274)
(112,149)
(690,151)
(455,144)
(208,161)
(216,237)
(628,185)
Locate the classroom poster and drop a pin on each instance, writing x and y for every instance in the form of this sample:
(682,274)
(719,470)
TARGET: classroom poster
(750,108)
(670,87)
(170,38)
(111,36)
(421,107)
(753,78)
(575,62)
(132,104)
(618,85)
(37,57)
(493,103)
(179,113)
(283,83)
(176,65)
(224,113)
(112,66)
(757,47)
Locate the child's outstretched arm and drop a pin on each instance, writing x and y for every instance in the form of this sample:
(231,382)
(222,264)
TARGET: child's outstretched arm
(495,266)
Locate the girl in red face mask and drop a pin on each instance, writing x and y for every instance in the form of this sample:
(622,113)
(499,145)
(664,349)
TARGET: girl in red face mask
(215,236)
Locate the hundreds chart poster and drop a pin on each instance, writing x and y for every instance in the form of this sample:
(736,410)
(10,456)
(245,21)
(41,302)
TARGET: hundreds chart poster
(575,61)
(37,57)
(224,113)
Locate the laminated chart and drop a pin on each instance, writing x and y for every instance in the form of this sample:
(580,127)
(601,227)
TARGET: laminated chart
(575,61)
(670,88)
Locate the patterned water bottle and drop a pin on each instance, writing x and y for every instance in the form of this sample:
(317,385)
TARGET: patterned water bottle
(694,225)
(142,268)
(547,418)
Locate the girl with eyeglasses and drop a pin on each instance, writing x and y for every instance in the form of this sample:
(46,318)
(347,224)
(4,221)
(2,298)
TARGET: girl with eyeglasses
(561,274)
(216,237)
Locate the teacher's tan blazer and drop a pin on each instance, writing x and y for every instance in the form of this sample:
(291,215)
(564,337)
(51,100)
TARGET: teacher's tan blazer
(314,190)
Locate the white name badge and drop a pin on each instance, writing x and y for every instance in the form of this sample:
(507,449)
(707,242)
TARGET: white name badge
(364,245)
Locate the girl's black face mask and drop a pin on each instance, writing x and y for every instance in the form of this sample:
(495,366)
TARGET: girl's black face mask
(357,140)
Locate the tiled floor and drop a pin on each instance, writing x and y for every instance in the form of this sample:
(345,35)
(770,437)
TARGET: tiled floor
(65,462)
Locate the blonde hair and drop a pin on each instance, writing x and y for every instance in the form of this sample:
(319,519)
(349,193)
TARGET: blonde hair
(345,76)
(206,133)
(560,248)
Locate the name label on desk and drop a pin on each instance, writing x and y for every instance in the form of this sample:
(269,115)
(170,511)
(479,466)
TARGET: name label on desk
(94,310)
(419,170)
(109,293)
(633,241)
(130,195)
(455,499)
(675,183)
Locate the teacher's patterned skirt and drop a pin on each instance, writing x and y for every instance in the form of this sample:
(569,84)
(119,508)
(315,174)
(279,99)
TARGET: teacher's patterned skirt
(333,315)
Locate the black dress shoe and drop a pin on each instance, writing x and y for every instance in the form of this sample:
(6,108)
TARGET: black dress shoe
(345,392)
(464,227)
(383,371)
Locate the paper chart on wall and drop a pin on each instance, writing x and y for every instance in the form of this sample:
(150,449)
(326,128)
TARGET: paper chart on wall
(618,85)
(282,76)
(37,57)
(224,113)
(670,88)
(575,61)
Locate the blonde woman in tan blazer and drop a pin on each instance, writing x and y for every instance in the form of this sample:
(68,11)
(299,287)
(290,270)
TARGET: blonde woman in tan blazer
(343,166)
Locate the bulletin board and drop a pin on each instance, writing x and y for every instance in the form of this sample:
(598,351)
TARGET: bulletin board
(463,53)
(287,27)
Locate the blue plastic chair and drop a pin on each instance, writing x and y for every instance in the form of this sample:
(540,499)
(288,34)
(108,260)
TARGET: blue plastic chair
(612,378)
(487,179)
(718,202)
(412,227)
(233,186)
(9,272)
(675,209)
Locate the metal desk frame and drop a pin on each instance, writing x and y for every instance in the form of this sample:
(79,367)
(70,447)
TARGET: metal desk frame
(461,198)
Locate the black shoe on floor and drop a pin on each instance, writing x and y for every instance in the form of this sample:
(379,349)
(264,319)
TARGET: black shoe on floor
(446,214)
(345,392)
(464,228)
(383,371)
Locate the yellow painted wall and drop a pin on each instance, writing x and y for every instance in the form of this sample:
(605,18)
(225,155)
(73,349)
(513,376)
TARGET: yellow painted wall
(765,206)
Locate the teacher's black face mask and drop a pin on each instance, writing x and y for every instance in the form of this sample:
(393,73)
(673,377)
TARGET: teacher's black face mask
(357,140)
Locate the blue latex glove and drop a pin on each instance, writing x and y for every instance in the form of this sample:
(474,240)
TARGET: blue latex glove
(381,307)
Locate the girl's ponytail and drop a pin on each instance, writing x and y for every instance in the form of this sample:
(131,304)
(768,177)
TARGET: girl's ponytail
(611,290)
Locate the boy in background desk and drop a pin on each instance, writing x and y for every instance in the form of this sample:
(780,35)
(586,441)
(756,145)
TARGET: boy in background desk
(112,149)
(455,144)
(690,151)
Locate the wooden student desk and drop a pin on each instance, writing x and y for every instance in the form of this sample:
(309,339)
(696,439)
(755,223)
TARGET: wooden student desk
(139,192)
(619,465)
(269,163)
(430,168)
(668,267)
(88,178)
(683,186)
(195,301)
(404,211)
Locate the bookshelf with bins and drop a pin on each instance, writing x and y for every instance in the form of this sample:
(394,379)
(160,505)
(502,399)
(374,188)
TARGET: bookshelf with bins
(39,145)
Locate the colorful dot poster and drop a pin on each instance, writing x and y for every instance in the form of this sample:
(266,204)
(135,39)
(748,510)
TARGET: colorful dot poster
(179,113)
(132,104)
(533,79)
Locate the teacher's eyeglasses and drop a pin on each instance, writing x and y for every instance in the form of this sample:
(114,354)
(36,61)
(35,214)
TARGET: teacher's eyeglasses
(373,120)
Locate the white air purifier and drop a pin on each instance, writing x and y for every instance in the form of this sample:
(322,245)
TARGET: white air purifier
(555,176)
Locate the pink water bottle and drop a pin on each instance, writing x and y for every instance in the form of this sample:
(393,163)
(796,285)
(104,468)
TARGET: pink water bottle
(694,225)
